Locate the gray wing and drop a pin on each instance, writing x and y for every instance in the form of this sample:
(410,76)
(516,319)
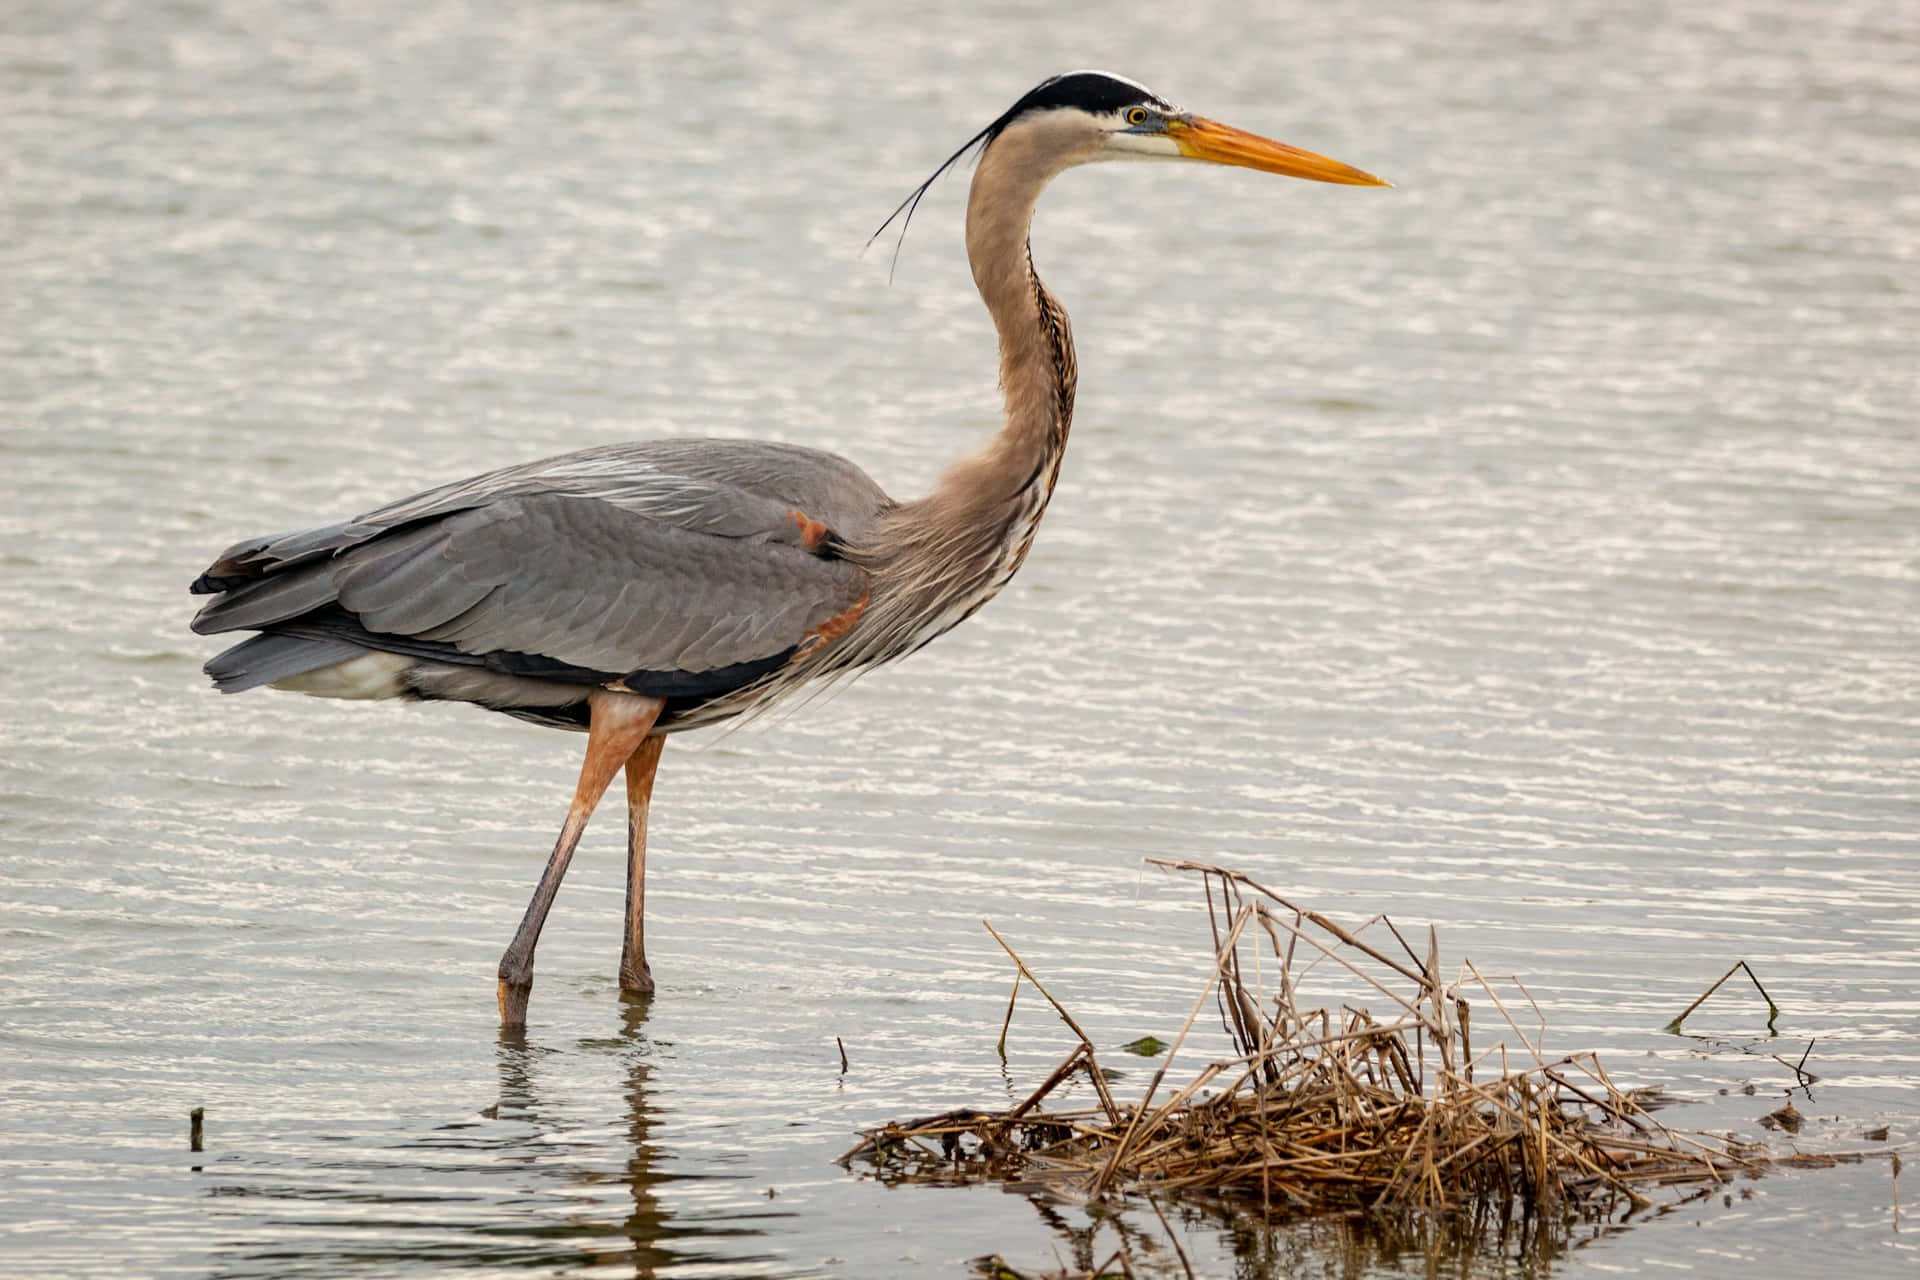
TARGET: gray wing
(673,558)
(730,488)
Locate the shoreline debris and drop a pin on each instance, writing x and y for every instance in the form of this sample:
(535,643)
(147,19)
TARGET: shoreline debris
(1330,1108)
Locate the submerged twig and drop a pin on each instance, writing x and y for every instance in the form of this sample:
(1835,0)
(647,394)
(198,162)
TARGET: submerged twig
(1773,1010)
(1802,1076)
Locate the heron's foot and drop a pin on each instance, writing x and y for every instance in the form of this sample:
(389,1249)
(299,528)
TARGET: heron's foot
(513,996)
(635,978)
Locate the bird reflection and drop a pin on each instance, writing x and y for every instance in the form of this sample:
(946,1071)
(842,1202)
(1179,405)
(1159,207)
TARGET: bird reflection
(641,1236)
(644,1233)
(646,1226)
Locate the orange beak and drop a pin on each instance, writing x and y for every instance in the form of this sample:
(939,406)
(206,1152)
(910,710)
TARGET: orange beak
(1205,139)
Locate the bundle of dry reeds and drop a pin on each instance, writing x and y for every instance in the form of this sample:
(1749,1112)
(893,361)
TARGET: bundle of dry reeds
(1330,1108)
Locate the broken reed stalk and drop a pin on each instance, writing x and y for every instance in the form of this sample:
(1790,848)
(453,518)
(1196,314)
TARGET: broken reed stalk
(1093,1066)
(1773,1010)
(1328,1108)
(1007,1022)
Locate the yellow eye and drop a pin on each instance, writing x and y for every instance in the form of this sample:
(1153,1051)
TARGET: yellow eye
(1137,116)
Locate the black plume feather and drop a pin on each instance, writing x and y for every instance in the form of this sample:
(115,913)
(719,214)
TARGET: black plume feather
(1093,91)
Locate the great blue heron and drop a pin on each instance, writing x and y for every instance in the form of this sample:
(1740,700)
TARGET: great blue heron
(635,590)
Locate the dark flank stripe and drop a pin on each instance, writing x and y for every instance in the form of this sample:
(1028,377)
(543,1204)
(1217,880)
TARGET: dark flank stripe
(702,685)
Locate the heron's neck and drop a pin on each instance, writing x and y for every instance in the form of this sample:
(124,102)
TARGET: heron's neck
(979,519)
(1037,370)
(936,559)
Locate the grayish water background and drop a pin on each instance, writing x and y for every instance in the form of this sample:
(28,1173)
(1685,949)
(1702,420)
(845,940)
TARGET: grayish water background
(1530,550)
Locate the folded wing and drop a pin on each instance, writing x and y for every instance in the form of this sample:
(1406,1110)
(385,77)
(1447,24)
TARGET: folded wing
(681,569)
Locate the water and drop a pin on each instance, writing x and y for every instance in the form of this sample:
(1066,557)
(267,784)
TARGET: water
(1530,550)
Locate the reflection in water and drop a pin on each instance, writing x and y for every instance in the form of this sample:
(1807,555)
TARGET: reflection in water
(646,1225)
(1126,1239)
(1109,1241)
(416,1201)
(645,1234)
(646,1229)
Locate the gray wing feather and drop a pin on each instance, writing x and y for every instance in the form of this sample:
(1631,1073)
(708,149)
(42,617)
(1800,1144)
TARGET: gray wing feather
(606,589)
(411,582)
(671,555)
(728,488)
(264,602)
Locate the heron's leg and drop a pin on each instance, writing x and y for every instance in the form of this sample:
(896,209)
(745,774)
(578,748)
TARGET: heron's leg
(634,975)
(617,725)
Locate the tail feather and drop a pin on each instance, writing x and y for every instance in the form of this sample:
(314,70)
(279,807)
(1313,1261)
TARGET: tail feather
(264,659)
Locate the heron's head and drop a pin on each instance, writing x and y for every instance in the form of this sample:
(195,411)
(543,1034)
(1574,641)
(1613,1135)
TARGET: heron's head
(1094,115)
(1084,116)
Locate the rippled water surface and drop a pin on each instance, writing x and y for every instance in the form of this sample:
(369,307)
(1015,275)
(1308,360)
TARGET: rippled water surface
(1531,549)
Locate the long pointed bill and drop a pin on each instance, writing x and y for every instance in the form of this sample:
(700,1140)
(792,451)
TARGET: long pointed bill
(1205,139)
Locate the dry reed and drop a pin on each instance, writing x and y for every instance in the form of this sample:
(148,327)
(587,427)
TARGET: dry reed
(1324,1109)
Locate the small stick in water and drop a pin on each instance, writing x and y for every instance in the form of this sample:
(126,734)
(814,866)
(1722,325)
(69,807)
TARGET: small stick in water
(1008,1020)
(1799,1069)
(843,1055)
(196,1122)
(1773,1010)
